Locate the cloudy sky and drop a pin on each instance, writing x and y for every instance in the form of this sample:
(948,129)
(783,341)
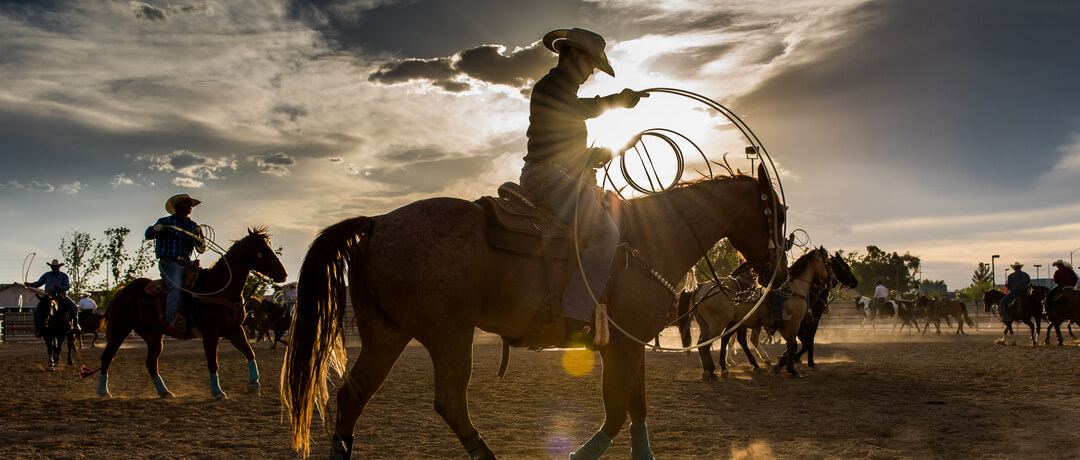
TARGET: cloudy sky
(947,129)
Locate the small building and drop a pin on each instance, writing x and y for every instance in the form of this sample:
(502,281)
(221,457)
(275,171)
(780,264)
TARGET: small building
(13,296)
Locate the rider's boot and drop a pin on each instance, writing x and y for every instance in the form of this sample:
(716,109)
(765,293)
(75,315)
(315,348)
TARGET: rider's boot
(578,333)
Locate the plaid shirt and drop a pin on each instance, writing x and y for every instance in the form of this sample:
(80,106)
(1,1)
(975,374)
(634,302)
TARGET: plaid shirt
(170,243)
(54,282)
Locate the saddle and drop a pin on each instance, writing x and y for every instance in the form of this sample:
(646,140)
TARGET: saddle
(516,222)
(156,292)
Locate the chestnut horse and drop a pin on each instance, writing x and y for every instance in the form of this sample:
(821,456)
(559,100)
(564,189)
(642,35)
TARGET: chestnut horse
(469,284)
(936,309)
(215,315)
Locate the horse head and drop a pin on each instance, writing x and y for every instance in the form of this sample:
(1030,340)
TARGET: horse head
(765,256)
(255,252)
(843,271)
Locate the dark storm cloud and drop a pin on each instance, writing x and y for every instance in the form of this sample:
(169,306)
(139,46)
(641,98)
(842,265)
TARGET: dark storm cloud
(147,12)
(966,88)
(485,63)
(274,164)
(688,61)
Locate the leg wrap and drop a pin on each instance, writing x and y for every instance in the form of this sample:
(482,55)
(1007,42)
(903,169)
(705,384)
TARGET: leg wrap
(215,386)
(593,449)
(477,448)
(639,442)
(159,384)
(341,447)
(103,384)
(253,374)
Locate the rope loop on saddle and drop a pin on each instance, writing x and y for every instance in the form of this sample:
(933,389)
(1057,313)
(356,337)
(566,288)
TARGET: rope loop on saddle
(207,243)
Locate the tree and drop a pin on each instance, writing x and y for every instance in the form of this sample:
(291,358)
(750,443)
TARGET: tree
(724,259)
(76,248)
(982,275)
(123,267)
(893,270)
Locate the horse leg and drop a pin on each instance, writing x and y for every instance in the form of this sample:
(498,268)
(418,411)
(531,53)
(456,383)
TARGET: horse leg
(239,340)
(1032,327)
(724,349)
(451,356)
(1057,329)
(638,410)
(112,345)
(153,351)
(622,364)
(755,340)
(210,345)
(383,342)
(740,335)
(708,369)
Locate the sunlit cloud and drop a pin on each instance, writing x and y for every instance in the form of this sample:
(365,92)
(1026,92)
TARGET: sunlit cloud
(186,182)
(121,180)
(11,185)
(36,186)
(72,188)
(190,164)
(274,164)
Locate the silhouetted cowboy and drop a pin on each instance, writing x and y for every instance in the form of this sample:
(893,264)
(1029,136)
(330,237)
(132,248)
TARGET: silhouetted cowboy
(1064,278)
(56,285)
(1018,283)
(175,236)
(559,166)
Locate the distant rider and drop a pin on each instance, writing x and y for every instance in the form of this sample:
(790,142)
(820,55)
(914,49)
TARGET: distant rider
(1018,283)
(56,285)
(1064,278)
(173,243)
(558,165)
(881,294)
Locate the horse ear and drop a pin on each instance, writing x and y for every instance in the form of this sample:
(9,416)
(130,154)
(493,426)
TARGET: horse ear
(763,177)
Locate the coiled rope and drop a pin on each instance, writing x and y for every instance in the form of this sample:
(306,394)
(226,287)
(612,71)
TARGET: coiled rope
(206,242)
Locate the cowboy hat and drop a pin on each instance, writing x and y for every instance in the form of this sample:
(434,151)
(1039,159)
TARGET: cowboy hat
(1061,263)
(1017,265)
(55,263)
(174,200)
(585,40)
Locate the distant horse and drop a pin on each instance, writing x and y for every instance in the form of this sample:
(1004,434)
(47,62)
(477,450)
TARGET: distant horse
(937,309)
(266,315)
(1066,308)
(57,328)
(214,315)
(90,322)
(714,309)
(470,284)
(903,310)
(1025,308)
(818,303)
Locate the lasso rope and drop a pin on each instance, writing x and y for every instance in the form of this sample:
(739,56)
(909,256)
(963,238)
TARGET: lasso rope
(26,267)
(661,133)
(207,243)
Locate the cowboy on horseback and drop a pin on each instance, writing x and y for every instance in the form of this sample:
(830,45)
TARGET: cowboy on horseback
(56,285)
(1064,278)
(560,170)
(1018,284)
(175,236)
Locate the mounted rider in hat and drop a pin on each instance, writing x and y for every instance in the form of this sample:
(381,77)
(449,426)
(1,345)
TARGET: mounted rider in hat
(175,236)
(1064,278)
(56,285)
(559,165)
(1018,284)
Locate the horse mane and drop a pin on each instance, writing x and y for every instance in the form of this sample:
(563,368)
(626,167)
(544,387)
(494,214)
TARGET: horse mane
(800,264)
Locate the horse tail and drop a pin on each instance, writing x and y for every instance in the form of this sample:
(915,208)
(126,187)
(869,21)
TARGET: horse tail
(684,317)
(317,341)
(963,310)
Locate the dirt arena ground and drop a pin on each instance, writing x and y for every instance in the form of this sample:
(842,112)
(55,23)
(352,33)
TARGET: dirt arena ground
(876,395)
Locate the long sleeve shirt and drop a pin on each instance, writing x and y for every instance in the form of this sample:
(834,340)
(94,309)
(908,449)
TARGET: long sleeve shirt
(881,292)
(54,282)
(170,243)
(1065,277)
(557,131)
(1018,281)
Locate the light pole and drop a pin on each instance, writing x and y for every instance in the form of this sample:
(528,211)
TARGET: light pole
(993,272)
(752,154)
(1037,274)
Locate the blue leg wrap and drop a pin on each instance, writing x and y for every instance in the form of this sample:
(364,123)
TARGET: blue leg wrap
(215,386)
(159,384)
(593,449)
(103,384)
(639,442)
(253,374)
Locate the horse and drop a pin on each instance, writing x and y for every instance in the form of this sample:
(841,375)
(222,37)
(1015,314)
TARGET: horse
(712,306)
(1066,308)
(264,316)
(903,310)
(818,301)
(1025,308)
(471,284)
(936,309)
(57,328)
(90,322)
(215,315)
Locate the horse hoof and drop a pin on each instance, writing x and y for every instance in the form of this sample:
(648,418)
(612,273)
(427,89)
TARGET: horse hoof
(725,374)
(105,396)
(168,395)
(254,389)
(776,369)
(221,397)
(815,369)
(708,376)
